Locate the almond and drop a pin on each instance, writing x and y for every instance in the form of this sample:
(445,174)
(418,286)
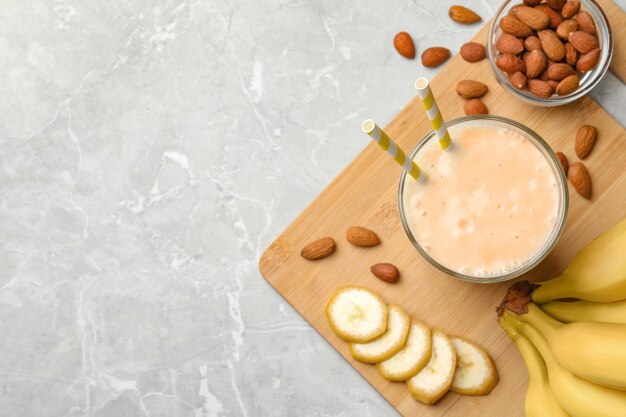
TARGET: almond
(556,4)
(568,85)
(518,80)
(511,11)
(532,2)
(435,56)
(509,44)
(513,26)
(570,9)
(582,41)
(404,45)
(563,160)
(362,237)
(585,139)
(588,61)
(551,45)
(319,249)
(571,55)
(586,23)
(579,178)
(533,18)
(540,88)
(386,272)
(554,84)
(471,89)
(535,63)
(475,106)
(544,75)
(566,27)
(463,15)
(473,52)
(555,17)
(532,43)
(560,71)
(510,63)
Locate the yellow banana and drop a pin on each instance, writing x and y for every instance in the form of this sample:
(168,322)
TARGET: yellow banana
(597,273)
(593,351)
(540,401)
(568,312)
(580,398)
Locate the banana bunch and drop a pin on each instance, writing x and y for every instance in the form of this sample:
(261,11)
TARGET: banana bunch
(575,351)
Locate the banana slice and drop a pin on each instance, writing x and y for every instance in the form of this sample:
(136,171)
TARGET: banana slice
(411,358)
(475,372)
(389,343)
(356,314)
(432,382)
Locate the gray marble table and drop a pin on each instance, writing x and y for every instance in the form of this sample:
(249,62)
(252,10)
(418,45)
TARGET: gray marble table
(149,152)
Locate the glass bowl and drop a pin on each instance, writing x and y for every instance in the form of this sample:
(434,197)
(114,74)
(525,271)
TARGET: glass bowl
(563,198)
(588,80)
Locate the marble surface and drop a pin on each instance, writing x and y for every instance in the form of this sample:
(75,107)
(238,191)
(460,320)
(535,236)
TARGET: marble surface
(149,152)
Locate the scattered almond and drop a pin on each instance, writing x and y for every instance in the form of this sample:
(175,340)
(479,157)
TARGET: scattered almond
(585,139)
(386,272)
(509,44)
(471,89)
(473,52)
(588,61)
(568,85)
(533,18)
(551,45)
(570,9)
(475,106)
(555,17)
(571,55)
(509,63)
(463,15)
(556,4)
(513,26)
(404,45)
(536,62)
(319,249)
(532,43)
(435,56)
(579,178)
(540,88)
(518,80)
(362,237)
(567,27)
(563,160)
(560,71)
(582,41)
(586,23)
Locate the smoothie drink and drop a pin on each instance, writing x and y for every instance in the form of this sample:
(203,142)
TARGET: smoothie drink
(490,204)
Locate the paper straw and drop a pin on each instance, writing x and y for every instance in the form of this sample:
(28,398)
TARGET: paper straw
(385,142)
(434,115)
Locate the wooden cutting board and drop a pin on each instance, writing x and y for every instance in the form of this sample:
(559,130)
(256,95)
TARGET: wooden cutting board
(365,193)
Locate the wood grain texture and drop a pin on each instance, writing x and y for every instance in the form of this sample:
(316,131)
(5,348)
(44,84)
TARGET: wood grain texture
(365,193)
(617,21)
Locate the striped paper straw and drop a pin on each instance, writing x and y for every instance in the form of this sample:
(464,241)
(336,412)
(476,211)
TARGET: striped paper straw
(434,115)
(398,155)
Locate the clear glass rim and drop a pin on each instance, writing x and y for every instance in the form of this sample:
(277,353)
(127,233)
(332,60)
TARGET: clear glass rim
(556,233)
(589,81)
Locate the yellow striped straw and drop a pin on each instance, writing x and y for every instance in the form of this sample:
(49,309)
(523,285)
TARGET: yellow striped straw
(434,115)
(385,142)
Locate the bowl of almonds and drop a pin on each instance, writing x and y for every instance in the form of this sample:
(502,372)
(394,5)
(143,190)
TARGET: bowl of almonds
(551,52)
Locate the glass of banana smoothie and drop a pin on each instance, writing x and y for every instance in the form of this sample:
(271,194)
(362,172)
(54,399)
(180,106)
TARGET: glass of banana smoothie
(492,207)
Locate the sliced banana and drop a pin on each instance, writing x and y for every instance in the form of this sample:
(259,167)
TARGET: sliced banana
(356,314)
(412,358)
(389,343)
(432,382)
(475,372)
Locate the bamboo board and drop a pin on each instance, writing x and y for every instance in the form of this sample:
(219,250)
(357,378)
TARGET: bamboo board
(365,193)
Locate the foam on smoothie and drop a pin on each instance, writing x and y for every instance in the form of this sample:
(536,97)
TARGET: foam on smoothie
(490,204)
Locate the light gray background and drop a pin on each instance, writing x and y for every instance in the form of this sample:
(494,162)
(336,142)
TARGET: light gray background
(149,152)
